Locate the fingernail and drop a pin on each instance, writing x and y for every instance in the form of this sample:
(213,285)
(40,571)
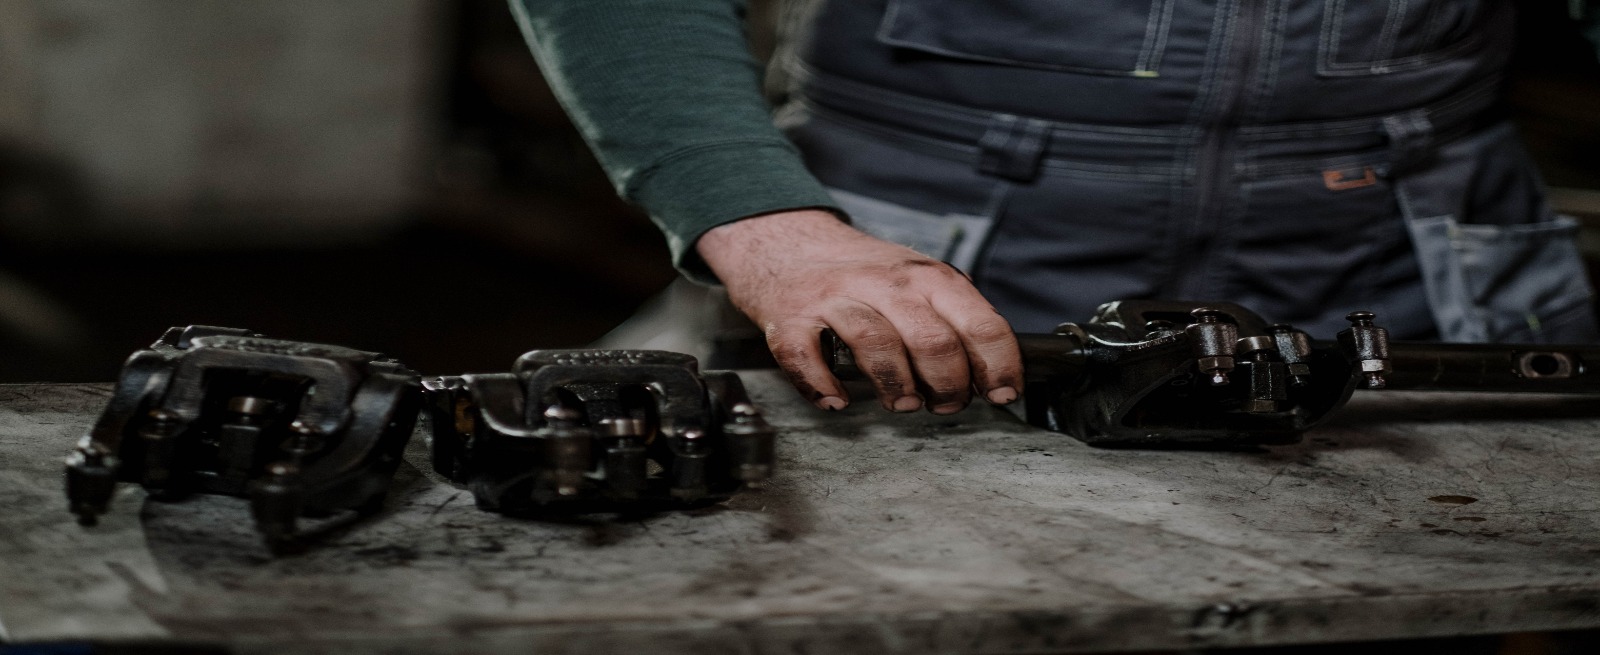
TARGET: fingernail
(831,403)
(1002,395)
(907,404)
(948,408)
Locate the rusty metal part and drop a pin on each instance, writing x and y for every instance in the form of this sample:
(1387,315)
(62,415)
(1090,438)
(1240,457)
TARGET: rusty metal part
(598,430)
(305,431)
(1130,377)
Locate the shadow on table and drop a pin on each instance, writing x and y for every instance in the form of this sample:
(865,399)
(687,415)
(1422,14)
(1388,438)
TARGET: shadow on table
(1372,408)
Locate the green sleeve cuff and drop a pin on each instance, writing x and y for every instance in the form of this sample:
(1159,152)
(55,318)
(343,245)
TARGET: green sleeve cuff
(698,188)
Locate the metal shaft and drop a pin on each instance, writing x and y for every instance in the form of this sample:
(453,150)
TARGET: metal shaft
(1423,366)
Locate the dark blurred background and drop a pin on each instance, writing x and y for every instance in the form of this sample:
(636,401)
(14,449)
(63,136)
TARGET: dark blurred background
(390,175)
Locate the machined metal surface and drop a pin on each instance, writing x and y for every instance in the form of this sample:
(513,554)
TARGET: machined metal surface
(1405,515)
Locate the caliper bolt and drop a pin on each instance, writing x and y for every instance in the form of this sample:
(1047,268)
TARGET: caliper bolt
(1294,347)
(1368,344)
(1213,342)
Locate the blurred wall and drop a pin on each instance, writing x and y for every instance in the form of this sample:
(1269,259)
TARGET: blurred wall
(391,175)
(213,123)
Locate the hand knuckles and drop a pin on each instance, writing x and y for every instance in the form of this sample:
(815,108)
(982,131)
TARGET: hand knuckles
(875,340)
(988,330)
(935,343)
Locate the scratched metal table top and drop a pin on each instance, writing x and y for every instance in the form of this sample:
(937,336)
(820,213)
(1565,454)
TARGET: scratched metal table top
(1413,515)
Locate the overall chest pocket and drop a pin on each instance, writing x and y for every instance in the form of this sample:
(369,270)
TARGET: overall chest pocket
(1374,37)
(1102,37)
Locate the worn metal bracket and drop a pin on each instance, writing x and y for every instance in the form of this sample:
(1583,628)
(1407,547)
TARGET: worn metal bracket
(598,430)
(303,430)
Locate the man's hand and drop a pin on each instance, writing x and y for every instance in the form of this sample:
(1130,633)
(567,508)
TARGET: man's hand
(917,327)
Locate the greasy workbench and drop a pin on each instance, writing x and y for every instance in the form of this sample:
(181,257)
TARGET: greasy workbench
(1413,515)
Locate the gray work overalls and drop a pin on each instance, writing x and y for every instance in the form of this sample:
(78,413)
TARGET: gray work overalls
(1304,158)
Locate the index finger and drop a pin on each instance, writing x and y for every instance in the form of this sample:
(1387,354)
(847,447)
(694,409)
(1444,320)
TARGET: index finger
(797,348)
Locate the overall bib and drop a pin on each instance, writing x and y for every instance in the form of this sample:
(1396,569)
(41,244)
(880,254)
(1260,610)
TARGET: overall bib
(1304,158)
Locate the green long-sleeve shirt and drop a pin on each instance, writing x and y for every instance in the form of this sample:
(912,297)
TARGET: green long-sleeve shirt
(667,94)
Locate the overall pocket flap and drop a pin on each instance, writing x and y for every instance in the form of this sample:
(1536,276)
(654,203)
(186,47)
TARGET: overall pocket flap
(1106,37)
(1373,38)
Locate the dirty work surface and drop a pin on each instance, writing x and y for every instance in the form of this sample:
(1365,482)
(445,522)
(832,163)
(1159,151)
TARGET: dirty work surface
(882,533)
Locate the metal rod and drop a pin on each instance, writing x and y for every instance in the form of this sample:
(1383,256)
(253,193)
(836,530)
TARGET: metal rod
(1522,368)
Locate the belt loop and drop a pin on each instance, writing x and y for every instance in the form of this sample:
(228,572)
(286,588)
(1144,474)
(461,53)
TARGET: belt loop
(1012,147)
(1410,140)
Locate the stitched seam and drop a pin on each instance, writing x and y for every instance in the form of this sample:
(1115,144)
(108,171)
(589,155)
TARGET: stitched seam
(1230,33)
(1152,36)
(1337,69)
(1164,35)
(959,152)
(1328,49)
(1257,86)
(1333,32)
(893,132)
(1275,50)
(1388,35)
(1456,102)
(891,15)
(830,84)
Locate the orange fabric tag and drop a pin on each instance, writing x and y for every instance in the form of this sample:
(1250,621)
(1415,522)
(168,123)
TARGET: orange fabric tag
(1339,181)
